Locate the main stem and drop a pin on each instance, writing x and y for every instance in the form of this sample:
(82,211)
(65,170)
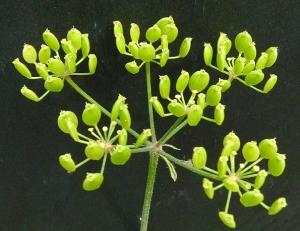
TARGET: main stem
(153,159)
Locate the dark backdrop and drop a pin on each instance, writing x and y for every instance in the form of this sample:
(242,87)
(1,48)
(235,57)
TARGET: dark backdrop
(37,194)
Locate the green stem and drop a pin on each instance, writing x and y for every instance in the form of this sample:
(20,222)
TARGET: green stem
(189,167)
(172,133)
(178,121)
(149,190)
(153,158)
(91,100)
(150,108)
(228,201)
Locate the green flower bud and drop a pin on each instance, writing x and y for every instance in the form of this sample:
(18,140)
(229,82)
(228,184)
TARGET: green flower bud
(270,83)
(92,63)
(267,148)
(199,157)
(118,28)
(42,70)
(70,63)
(272,56)
(91,114)
(252,198)
(67,162)
(125,117)
(85,45)
(66,46)
(208,188)
(249,67)
(219,114)
(185,47)
(153,34)
(161,23)
(29,94)
(72,129)
(182,81)
(44,54)
(94,150)
(199,81)
(120,42)
(171,31)
(260,179)
(239,65)
(157,106)
(261,61)
(133,49)
(56,66)
(63,117)
(254,77)
(134,32)
(164,57)
(164,86)
(221,39)
(224,84)
(208,53)
(194,115)
(22,69)
(177,109)
(54,84)
(226,45)
(115,111)
(222,165)
(250,52)
(213,95)
(242,41)
(250,151)
(234,139)
(164,41)
(221,60)
(92,181)
(74,35)
(146,52)
(123,136)
(276,164)
(132,67)
(227,219)
(142,138)
(277,206)
(227,148)
(51,40)
(231,185)
(201,100)
(120,155)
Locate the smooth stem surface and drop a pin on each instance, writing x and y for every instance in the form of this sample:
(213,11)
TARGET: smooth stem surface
(153,158)
(91,100)
(150,108)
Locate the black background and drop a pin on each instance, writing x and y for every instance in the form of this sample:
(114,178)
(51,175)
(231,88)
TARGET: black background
(37,194)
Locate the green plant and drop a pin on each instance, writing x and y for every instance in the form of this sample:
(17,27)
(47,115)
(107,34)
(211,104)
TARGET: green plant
(111,141)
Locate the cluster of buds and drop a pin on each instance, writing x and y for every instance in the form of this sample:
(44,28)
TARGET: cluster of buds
(198,101)
(103,143)
(235,180)
(163,31)
(244,68)
(54,70)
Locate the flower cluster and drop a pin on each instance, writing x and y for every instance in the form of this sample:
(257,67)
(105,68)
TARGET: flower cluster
(235,180)
(163,31)
(54,70)
(193,107)
(104,143)
(244,68)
